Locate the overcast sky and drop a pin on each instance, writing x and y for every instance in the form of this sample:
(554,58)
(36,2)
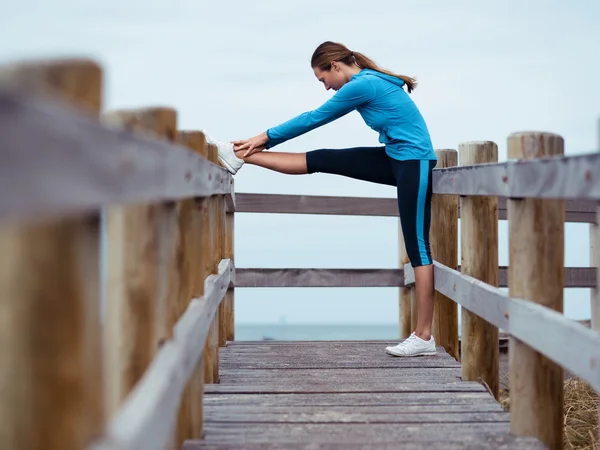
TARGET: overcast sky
(485,69)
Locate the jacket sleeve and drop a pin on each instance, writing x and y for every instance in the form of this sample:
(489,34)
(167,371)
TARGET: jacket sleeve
(349,97)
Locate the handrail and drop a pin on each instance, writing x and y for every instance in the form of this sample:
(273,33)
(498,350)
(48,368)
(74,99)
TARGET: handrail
(575,210)
(540,327)
(146,418)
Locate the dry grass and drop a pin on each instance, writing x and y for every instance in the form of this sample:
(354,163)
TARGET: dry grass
(580,414)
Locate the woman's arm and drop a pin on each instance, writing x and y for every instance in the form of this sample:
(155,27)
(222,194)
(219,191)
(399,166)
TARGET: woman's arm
(348,98)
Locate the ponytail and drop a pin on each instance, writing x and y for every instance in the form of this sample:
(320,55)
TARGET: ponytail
(366,63)
(333,51)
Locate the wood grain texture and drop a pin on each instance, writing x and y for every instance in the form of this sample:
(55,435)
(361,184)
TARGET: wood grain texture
(369,407)
(508,443)
(444,249)
(213,242)
(148,415)
(229,309)
(192,276)
(479,230)
(51,389)
(536,260)
(576,210)
(142,286)
(86,164)
(595,263)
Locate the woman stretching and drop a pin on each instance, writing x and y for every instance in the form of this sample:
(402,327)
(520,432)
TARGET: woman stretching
(405,160)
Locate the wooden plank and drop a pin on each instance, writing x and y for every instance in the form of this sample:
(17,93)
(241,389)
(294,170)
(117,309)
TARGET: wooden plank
(536,261)
(559,177)
(498,443)
(86,165)
(355,417)
(51,390)
(215,408)
(482,179)
(555,336)
(358,399)
(315,204)
(444,248)
(353,433)
(576,210)
(485,300)
(148,415)
(575,277)
(338,374)
(328,387)
(248,277)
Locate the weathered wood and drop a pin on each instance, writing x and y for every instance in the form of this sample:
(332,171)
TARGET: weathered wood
(229,310)
(550,176)
(485,300)
(86,165)
(576,210)
(355,417)
(497,443)
(552,334)
(408,300)
(595,263)
(479,230)
(476,407)
(574,277)
(366,387)
(319,278)
(213,245)
(354,433)
(148,415)
(536,260)
(444,249)
(141,252)
(192,286)
(354,399)
(51,390)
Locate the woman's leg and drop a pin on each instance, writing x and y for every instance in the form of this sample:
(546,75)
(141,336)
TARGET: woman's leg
(362,163)
(414,204)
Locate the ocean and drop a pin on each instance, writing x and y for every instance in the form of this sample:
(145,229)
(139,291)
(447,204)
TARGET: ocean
(310,332)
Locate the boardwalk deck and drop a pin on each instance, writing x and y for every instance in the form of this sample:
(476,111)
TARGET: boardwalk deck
(350,395)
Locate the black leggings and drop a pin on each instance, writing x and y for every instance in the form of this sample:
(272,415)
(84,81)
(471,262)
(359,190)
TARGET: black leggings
(412,179)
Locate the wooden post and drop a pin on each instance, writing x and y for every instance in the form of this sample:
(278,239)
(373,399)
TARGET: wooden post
(444,249)
(51,387)
(229,310)
(479,231)
(406,293)
(142,289)
(212,241)
(536,273)
(595,262)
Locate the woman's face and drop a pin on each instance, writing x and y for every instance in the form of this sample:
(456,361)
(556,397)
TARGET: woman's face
(331,79)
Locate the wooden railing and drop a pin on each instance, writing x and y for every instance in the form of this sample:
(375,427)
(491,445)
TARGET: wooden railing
(70,379)
(134,379)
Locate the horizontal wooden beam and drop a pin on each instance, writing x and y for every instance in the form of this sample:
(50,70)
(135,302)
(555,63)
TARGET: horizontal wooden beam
(541,328)
(575,277)
(566,342)
(564,177)
(147,417)
(57,161)
(576,210)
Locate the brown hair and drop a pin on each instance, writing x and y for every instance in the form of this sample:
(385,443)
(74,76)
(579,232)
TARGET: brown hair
(328,51)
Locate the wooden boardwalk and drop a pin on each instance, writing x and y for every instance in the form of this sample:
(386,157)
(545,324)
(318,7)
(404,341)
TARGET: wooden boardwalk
(346,394)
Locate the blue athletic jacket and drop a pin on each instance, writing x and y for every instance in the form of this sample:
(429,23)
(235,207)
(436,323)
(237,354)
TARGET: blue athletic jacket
(383,105)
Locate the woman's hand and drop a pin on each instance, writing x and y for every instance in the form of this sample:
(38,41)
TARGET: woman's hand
(252,145)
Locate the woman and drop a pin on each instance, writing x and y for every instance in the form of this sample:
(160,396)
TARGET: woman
(405,160)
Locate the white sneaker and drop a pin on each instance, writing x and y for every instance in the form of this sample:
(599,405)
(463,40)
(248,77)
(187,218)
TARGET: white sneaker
(413,346)
(227,156)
